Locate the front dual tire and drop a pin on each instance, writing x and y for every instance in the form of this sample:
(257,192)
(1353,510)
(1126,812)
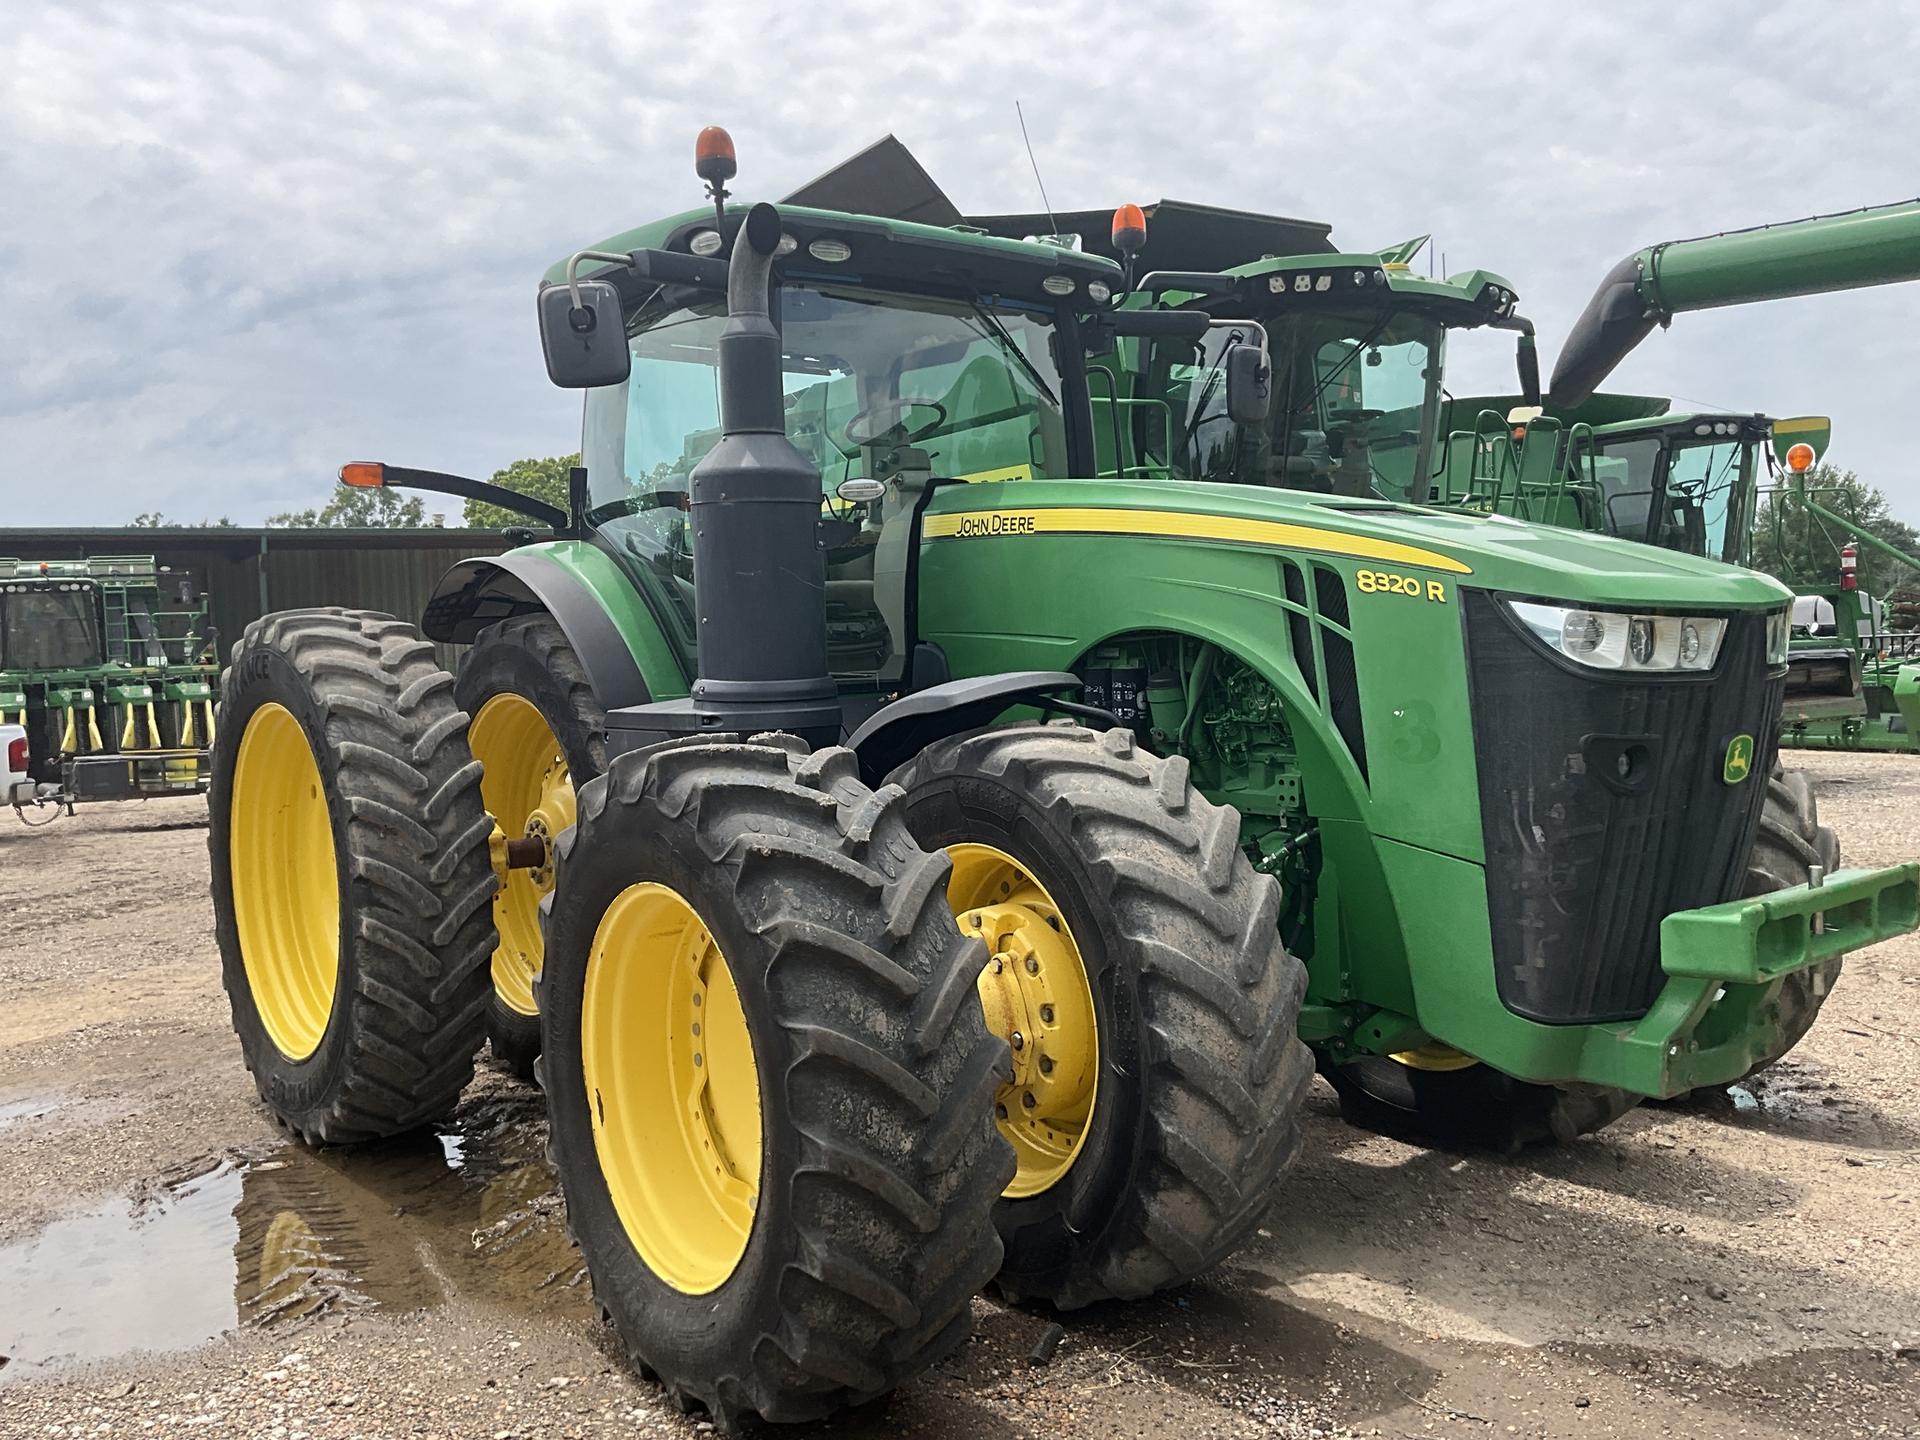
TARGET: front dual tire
(1140,952)
(777,1147)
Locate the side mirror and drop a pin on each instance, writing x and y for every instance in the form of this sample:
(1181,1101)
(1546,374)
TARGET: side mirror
(1527,360)
(585,344)
(1249,388)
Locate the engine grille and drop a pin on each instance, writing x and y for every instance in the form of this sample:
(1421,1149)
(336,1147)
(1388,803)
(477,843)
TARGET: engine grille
(1583,864)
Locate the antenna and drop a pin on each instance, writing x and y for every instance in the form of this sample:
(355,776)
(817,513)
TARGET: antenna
(1048,204)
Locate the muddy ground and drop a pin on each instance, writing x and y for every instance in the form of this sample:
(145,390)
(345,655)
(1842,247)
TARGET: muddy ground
(1746,1267)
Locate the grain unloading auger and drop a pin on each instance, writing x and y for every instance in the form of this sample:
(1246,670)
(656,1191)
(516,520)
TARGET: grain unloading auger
(1876,245)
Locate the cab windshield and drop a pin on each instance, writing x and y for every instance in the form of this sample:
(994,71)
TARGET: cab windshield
(1687,496)
(885,387)
(1356,403)
(49,630)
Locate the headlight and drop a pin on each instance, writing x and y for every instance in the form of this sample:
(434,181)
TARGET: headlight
(1616,640)
(1779,629)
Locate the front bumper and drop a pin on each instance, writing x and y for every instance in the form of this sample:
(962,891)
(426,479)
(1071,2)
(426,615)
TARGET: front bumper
(1718,1014)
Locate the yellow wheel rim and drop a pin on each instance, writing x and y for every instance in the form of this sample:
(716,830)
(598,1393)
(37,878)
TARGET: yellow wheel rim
(1036,997)
(672,1088)
(526,788)
(1434,1056)
(286,887)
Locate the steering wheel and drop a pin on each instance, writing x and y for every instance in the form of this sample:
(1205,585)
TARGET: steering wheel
(870,424)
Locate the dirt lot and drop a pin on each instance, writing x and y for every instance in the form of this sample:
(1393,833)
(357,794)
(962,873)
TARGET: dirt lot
(1748,1267)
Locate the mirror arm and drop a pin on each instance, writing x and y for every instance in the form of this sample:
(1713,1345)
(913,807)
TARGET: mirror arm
(667,267)
(573,269)
(398,477)
(1253,325)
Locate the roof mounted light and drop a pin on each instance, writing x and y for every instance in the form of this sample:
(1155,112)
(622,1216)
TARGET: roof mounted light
(706,242)
(713,158)
(1800,458)
(1058,285)
(714,163)
(1099,291)
(830,250)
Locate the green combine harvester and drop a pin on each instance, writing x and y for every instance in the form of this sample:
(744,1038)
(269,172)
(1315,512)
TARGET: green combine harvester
(1696,481)
(116,692)
(924,814)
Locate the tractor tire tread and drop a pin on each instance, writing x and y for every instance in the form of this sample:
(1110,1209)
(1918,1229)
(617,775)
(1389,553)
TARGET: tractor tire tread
(419,956)
(900,1164)
(1220,999)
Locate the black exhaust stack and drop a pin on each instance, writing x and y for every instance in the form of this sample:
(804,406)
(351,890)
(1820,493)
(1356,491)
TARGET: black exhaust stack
(759,574)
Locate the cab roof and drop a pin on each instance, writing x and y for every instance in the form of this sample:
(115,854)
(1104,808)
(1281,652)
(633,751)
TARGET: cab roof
(882,250)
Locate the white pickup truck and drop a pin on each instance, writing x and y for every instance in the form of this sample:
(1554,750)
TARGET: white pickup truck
(16,786)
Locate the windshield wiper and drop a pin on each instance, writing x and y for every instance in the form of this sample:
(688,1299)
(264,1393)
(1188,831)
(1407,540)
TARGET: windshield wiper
(1005,337)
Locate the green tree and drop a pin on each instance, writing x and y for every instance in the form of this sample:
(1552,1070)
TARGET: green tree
(538,479)
(354,507)
(1803,550)
(154,520)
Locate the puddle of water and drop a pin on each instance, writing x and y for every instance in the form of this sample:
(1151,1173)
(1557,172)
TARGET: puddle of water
(31,1108)
(289,1237)
(111,1280)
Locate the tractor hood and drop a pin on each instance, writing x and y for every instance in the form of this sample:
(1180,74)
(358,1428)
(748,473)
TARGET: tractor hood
(1490,551)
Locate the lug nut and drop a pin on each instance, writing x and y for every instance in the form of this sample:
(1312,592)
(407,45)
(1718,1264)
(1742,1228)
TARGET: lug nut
(1033,965)
(1019,1041)
(1046,1014)
(1000,1112)
(1028,1100)
(1046,1065)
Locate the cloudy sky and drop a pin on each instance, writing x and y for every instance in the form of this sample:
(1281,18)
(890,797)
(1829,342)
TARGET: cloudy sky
(241,243)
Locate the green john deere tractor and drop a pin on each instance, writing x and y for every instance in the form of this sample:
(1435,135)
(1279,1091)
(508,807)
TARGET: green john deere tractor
(943,838)
(1361,410)
(114,688)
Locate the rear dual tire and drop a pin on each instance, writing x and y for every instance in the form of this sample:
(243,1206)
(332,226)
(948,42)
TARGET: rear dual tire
(351,880)
(533,709)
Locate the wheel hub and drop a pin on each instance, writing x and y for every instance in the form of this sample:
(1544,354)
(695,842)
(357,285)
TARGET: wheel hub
(671,1075)
(285,881)
(1034,995)
(553,814)
(528,789)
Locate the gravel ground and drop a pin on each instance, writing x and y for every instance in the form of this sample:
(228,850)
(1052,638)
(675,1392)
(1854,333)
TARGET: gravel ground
(1743,1267)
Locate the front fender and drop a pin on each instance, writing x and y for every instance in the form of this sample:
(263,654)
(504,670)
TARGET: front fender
(628,660)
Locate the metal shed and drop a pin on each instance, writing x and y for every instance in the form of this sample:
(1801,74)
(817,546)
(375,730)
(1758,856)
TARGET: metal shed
(247,573)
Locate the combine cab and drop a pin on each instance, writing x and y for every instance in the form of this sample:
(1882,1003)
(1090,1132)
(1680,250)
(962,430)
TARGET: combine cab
(115,691)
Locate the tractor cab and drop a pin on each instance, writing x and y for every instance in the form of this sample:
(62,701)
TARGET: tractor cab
(909,356)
